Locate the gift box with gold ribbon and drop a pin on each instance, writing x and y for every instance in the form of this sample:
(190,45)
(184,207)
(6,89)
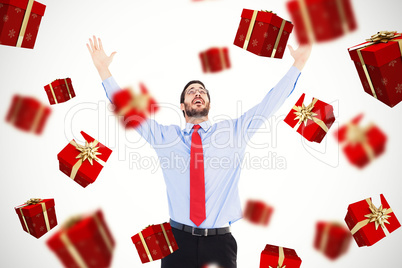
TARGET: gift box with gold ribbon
(332,239)
(20,20)
(215,60)
(379,65)
(37,216)
(83,163)
(84,242)
(279,257)
(257,212)
(312,121)
(361,145)
(60,90)
(155,242)
(321,20)
(263,33)
(134,108)
(369,224)
(28,114)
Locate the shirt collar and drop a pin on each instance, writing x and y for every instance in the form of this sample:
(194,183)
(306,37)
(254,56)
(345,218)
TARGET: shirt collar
(204,125)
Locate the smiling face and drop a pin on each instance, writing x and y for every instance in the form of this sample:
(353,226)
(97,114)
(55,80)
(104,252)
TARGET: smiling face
(196,101)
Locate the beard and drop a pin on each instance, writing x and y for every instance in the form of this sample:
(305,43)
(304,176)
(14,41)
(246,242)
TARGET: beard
(190,112)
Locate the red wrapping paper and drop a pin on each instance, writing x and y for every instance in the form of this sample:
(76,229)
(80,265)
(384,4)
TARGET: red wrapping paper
(155,241)
(215,60)
(270,257)
(12,14)
(28,114)
(134,108)
(258,212)
(329,19)
(89,237)
(368,235)
(264,33)
(384,65)
(332,239)
(87,173)
(62,89)
(313,131)
(356,152)
(35,218)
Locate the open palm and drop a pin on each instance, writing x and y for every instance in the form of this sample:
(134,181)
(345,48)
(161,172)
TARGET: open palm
(99,57)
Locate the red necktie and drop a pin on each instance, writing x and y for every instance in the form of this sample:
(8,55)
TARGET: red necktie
(197,181)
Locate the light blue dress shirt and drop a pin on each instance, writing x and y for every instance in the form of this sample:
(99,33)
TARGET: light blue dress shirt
(224,145)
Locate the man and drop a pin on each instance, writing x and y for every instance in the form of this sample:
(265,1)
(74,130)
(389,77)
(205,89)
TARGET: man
(203,198)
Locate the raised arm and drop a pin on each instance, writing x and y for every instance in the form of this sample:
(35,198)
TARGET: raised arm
(99,57)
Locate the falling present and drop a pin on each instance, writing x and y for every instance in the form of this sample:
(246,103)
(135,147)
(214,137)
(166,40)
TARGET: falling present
(332,239)
(20,22)
(279,257)
(60,90)
(215,59)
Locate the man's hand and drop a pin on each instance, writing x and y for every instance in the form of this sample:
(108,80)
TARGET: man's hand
(301,55)
(99,57)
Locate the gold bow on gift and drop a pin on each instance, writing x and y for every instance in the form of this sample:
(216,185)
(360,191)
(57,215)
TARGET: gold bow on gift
(358,135)
(304,113)
(33,201)
(138,101)
(383,37)
(89,151)
(378,215)
(268,11)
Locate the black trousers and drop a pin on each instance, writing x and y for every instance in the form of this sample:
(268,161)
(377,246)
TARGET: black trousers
(201,251)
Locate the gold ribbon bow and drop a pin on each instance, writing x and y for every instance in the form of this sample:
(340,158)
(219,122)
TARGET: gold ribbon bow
(357,135)
(383,37)
(35,201)
(281,259)
(304,113)
(138,101)
(88,152)
(378,215)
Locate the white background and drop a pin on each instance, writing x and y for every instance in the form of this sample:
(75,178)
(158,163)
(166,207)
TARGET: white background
(158,43)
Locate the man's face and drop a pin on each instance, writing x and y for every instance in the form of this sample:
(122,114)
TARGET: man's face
(196,101)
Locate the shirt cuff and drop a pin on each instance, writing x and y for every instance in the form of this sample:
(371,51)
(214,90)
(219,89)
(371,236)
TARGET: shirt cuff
(111,87)
(293,73)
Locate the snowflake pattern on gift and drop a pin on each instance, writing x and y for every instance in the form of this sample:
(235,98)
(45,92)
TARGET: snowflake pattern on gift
(241,38)
(265,34)
(34,16)
(154,252)
(38,215)
(18,10)
(384,81)
(157,242)
(160,234)
(138,243)
(365,84)
(148,238)
(42,228)
(28,37)
(255,42)
(247,20)
(51,221)
(392,63)
(34,225)
(280,49)
(165,248)
(275,28)
(378,91)
(285,33)
(371,67)
(5,18)
(358,64)
(173,244)
(144,255)
(398,88)
(11,33)
(1,5)
(269,47)
(260,24)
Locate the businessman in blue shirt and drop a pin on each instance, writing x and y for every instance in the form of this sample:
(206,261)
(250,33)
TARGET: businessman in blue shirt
(203,197)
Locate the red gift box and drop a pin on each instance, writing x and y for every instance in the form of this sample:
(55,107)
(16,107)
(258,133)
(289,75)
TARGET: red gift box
(37,216)
(361,145)
(332,239)
(155,242)
(312,121)
(369,224)
(215,60)
(257,212)
(321,20)
(28,114)
(274,256)
(20,22)
(91,159)
(84,242)
(134,108)
(379,66)
(263,33)
(59,91)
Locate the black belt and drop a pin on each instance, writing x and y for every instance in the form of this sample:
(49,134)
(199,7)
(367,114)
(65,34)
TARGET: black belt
(199,231)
